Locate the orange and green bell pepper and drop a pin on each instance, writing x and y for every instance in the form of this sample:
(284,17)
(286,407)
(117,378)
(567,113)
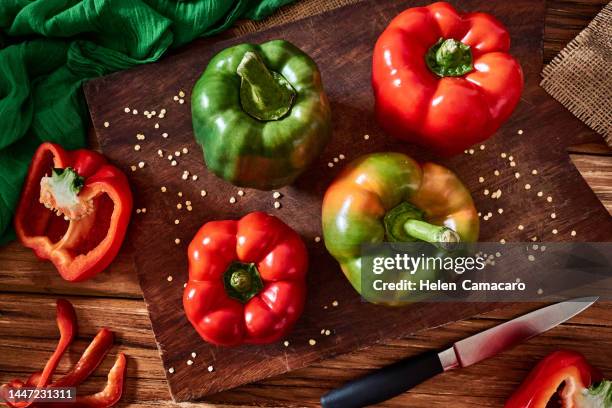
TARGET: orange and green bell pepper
(261,114)
(582,385)
(444,80)
(247,280)
(74,210)
(388,197)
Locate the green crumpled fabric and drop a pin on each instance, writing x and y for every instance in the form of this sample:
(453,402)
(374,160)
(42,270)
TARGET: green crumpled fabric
(48,48)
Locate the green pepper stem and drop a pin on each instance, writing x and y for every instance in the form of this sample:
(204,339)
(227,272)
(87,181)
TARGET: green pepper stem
(266,95)
(443,236)
(242,281)
(449,57)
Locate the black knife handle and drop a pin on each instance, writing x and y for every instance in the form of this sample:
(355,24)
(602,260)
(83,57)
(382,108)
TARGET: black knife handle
(385,383)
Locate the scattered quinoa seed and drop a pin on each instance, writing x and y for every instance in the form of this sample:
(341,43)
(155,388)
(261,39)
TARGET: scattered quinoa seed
(241,193)
(181,94)
(177,221)
(185,150)
(531,258)
(133,168)
(137,147)
(171,370)
(335,303)
(496,172)
(277,205)
(211,369)
(232,200)
(189,362)
(169,278)
(520,131)
(141,164)
(106,124)
(165,135)
(163,189)
(534,172)
(317,239)
(527,186)
(194,177)
(177,241)
(520,227)
(126,110)
(481,179)
(549,199)
(573,233)
(555,231)
(503,155)
(276,195)
(134,112)
(286,343)
(193,355)
(203,193)
(366,137)
(312,342)
(553,216)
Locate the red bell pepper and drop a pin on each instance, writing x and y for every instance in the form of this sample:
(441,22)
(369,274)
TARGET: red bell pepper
(246,280)
(560,367)
(444,80)
(89,361)
(74,210)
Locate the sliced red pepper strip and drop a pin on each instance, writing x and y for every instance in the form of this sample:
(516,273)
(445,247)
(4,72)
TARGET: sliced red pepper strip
(109,396)
(67,324)
(563,366)
(89,361)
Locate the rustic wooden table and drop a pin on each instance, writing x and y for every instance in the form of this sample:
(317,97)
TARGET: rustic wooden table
(29,288)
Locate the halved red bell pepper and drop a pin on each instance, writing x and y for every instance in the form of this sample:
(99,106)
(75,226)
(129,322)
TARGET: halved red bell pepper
(89,361)
(563,367)
(246,280)
(74,210)
(444,80)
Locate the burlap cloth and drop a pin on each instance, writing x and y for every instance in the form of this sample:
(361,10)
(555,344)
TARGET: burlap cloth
(580,77)
(295,11)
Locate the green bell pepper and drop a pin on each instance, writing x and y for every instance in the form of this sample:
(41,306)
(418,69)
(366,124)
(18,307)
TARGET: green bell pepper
(260,114)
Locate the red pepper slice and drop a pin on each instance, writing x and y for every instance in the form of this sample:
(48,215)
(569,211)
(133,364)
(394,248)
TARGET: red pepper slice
(246,280)
(109,396)
(89,361)
(67,324)
(74,210)
(559,367)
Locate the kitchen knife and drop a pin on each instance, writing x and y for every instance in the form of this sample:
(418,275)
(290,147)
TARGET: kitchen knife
(399,377)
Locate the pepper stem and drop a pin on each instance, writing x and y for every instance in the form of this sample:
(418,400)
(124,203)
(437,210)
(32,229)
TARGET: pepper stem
(242,281)
(265,95)
(449,57)
(405,223)
(443,237)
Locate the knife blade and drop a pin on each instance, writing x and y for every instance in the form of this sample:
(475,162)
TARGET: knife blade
(399,377)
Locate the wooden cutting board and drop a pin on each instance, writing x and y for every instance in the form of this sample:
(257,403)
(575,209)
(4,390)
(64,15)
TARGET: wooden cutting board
(341,43)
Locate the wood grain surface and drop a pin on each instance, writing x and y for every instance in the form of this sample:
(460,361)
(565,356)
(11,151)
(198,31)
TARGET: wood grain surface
(27,335)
